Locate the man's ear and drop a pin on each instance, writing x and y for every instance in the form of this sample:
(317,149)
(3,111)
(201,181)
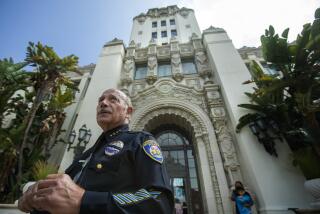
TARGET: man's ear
(129,110)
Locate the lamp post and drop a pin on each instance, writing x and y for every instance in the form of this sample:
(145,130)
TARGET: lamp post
(83,139)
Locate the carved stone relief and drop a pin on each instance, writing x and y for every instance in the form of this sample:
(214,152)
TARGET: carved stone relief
(202,61)
(197,45)
(137,87)
(176,67)
(152,70)
(224,137)
(127,73)
(142,18)
(186,49)
(152,63)
(163,52)
(152,50)
(184,13)
(203,67)
(195,82)
(141,54)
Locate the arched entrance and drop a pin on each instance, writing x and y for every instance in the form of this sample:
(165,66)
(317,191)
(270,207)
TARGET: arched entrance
(181,165)
(193,124)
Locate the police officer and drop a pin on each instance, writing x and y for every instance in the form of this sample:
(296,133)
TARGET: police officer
(122,173)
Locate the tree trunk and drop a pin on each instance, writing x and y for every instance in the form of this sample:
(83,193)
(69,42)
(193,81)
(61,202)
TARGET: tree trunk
(40,95)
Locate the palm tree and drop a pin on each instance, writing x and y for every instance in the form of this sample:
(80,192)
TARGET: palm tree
(49,70)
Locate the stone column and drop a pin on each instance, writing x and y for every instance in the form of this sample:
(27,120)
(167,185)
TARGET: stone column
(152,74)
(224,137)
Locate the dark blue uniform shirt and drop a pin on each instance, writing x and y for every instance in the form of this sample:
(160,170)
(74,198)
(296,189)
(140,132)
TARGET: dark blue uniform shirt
(122,173)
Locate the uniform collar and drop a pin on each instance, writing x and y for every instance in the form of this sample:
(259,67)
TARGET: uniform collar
(115,131)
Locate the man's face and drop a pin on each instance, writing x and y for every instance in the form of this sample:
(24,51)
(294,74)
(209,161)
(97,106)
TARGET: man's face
(112,110)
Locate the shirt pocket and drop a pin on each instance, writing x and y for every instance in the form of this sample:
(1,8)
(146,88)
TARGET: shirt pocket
(108,164)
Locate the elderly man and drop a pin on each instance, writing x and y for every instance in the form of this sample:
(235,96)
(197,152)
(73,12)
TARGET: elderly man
(122,173)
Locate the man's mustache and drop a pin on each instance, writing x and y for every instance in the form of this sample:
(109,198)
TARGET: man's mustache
(101,111)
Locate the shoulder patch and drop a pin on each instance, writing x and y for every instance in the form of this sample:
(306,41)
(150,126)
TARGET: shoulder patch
(152,149)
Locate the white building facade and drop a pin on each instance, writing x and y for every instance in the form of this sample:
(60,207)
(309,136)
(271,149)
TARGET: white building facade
(185,87)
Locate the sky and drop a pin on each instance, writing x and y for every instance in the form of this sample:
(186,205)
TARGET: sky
(82,27)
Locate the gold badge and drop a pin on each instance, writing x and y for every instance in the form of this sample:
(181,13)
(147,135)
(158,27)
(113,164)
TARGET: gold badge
(99,166)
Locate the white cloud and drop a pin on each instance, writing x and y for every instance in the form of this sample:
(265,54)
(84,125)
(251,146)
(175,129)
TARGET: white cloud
(246,20)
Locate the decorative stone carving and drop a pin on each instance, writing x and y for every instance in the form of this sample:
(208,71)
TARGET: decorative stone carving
(176,67)
(141,54)
(141,18)
(127,73)
(163,52)
(212,29)
(166,87)
(203,67)
(202,61)
(152,63)
(224,137)
(113,42)
(184,12)
(152,70)
(218,112)
(197,43)
(128,67)
(186,49)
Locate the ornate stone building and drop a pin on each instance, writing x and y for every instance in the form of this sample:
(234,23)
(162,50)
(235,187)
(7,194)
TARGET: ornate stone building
(185,87)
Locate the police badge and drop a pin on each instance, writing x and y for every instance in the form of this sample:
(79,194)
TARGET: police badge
(152,149)
(113,148)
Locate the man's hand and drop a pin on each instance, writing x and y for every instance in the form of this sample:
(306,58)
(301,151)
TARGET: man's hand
(58,194)
(26,203)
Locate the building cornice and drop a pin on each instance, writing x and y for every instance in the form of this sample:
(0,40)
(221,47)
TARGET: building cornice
(163,12)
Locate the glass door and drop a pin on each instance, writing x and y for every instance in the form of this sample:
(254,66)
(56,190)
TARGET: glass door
(181,168)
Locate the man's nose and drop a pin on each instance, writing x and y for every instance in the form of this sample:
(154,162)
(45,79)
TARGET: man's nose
(104,102)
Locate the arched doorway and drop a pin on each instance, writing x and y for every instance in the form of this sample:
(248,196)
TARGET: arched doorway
(181,165)
(192,123)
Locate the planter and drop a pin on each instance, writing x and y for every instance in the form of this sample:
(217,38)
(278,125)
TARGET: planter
(313,187)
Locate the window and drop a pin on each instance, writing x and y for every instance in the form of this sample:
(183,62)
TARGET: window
(173,33)
(172,22)
(163,34)
(154,24)
(141,72)
(140,32)
(154,35)
(164,43)
(164,69)
(188,67)
(188,26)
(163,23)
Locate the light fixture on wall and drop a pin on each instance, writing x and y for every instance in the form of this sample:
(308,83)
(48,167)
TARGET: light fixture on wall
(267,131)
(83,139)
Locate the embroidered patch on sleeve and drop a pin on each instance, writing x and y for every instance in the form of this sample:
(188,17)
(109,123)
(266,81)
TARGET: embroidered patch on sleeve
(134,197)
(152,149)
